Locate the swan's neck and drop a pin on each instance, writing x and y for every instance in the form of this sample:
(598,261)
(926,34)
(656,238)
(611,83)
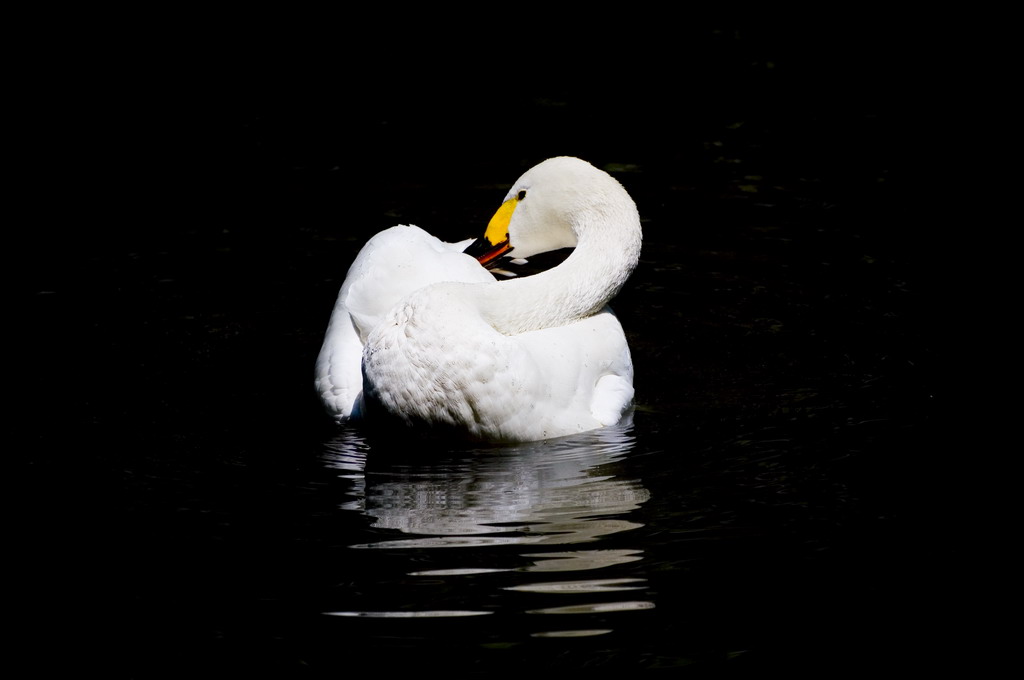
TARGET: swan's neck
(606,253)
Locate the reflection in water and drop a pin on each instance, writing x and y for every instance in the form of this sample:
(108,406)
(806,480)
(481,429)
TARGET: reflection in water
(582,559)
(551,493)
(563,492)
(591,586)
(594,608)
(446,613)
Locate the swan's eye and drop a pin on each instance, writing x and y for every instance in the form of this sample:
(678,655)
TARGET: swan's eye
(521,195)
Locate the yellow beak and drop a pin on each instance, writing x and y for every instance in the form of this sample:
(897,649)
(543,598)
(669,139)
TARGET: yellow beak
(494,243)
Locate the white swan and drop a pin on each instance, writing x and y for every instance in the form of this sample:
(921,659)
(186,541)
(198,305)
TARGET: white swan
(422,334)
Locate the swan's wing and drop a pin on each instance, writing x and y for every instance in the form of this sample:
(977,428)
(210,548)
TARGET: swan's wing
(392,264)
(587,372)
(396,262)
(339,380)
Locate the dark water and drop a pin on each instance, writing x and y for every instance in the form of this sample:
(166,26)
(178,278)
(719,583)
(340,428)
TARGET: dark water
(189,512)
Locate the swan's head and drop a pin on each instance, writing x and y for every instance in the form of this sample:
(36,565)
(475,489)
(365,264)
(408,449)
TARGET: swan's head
(546,209)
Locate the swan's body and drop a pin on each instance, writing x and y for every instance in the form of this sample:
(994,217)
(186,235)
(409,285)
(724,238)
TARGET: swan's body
(426,337)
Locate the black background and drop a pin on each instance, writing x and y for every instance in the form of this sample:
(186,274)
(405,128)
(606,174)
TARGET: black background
(197,191)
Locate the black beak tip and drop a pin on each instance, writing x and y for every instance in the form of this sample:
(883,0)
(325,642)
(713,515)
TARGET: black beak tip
(486,253)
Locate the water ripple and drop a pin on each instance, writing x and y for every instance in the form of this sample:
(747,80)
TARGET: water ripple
(595,608)
(589,586)
(441,613)
(541,498)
